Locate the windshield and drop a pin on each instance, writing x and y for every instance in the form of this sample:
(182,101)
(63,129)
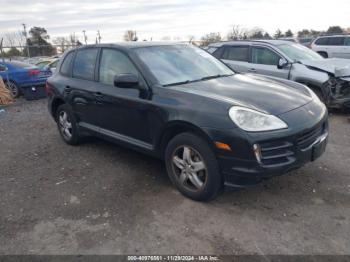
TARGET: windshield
(298,52)
(180,64)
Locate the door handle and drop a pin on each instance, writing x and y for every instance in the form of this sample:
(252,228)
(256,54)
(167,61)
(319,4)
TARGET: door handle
(67,89)
(98,95)
(252,70)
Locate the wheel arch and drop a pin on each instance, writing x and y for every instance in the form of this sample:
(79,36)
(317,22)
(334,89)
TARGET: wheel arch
(177,127)
(56,102)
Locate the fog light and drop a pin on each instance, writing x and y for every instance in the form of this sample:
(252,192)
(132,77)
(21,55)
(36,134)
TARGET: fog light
(257,152)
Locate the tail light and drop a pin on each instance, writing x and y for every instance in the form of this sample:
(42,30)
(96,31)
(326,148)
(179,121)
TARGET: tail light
(33,72)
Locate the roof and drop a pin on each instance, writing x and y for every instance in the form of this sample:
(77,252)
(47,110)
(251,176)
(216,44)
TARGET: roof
(135,44)
(247,42)
(338,35)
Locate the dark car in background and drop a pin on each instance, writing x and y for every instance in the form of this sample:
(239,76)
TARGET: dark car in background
(211,126)
(19,76)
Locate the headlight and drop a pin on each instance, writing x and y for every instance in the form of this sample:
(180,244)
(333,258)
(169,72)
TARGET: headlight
(254,121)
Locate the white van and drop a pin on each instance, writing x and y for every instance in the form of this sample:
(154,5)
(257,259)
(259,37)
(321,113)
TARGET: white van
(332,46)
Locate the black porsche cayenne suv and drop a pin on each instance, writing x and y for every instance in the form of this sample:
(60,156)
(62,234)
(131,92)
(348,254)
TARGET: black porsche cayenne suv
(211,126)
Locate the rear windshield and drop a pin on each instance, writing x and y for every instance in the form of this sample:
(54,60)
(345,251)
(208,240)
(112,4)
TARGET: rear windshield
(19,64)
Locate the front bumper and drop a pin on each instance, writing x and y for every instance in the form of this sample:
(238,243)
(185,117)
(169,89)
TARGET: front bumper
(238,172)
(281,151)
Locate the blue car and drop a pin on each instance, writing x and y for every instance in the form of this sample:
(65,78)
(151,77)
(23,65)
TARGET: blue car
(18,76)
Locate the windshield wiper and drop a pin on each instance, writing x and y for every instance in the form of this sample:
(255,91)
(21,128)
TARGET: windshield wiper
(214,76)
(197,80)
(179,83)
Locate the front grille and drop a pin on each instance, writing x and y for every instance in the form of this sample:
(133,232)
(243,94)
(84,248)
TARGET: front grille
(307,138)
(276,153)
(283,151)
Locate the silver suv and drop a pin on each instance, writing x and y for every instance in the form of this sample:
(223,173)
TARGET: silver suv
(332,46)
(328,78)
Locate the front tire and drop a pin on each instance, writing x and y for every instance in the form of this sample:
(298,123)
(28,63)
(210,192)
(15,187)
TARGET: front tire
(67,125)
(192,167)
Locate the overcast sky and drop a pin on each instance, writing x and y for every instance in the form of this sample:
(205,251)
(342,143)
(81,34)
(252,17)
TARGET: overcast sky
(174,18)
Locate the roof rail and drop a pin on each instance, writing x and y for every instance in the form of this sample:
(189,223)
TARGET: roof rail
(335,34)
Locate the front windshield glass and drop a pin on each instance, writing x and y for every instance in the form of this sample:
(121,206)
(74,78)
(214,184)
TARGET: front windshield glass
(298,52)
(176,64)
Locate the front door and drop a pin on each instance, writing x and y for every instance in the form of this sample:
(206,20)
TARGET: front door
(264,61)
(123,113)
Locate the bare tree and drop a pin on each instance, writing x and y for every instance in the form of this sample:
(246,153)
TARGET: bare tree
(237,33)
(130,36)
(14,39)
(210,38)
(62,43)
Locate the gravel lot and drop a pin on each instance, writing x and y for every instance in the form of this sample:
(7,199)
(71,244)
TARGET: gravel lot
(99,198)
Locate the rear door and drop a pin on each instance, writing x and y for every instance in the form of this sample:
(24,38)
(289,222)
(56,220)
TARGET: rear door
(264,61)
(336,47)
(347,47)
(236,57)
(80,89)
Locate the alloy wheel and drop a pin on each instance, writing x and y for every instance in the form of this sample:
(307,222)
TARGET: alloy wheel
(189,168)
(65,125)
(13,89)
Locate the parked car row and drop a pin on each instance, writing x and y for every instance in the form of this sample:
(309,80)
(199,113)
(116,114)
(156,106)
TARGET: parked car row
(328,78)
(211,125)
(332,46)
(19,77)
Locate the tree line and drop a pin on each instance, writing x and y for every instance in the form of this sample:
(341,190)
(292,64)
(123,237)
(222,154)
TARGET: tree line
(239,33)
(38,41)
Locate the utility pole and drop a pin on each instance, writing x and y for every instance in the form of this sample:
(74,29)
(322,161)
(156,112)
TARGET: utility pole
(85,37)
(99,36)
(25,35)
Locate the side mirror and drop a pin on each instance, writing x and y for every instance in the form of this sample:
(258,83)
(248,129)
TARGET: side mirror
(126,81)
(282,63)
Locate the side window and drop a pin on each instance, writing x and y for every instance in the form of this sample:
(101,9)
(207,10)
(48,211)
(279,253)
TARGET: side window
(65,67)
(212,49)
(114,62)
(2,68)
(347,41)
(322,41)
(236,53)
(264,56)
(336,41)
(84,64)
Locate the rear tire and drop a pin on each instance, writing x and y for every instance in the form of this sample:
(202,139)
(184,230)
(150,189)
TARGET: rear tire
(323,54)
(192,167)
(14,89)
(67,125)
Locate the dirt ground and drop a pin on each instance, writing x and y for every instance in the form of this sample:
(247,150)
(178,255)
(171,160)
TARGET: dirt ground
(99,198)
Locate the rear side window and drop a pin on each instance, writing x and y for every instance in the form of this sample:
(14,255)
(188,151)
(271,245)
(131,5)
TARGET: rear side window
(322,41)
(212,49)
(236,53)
(347,41)
(336,41)
(84,64)
(264,56)
(114,62)
(65,67)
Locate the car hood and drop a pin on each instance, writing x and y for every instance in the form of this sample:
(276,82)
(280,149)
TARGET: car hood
(337,66)
(255,92)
